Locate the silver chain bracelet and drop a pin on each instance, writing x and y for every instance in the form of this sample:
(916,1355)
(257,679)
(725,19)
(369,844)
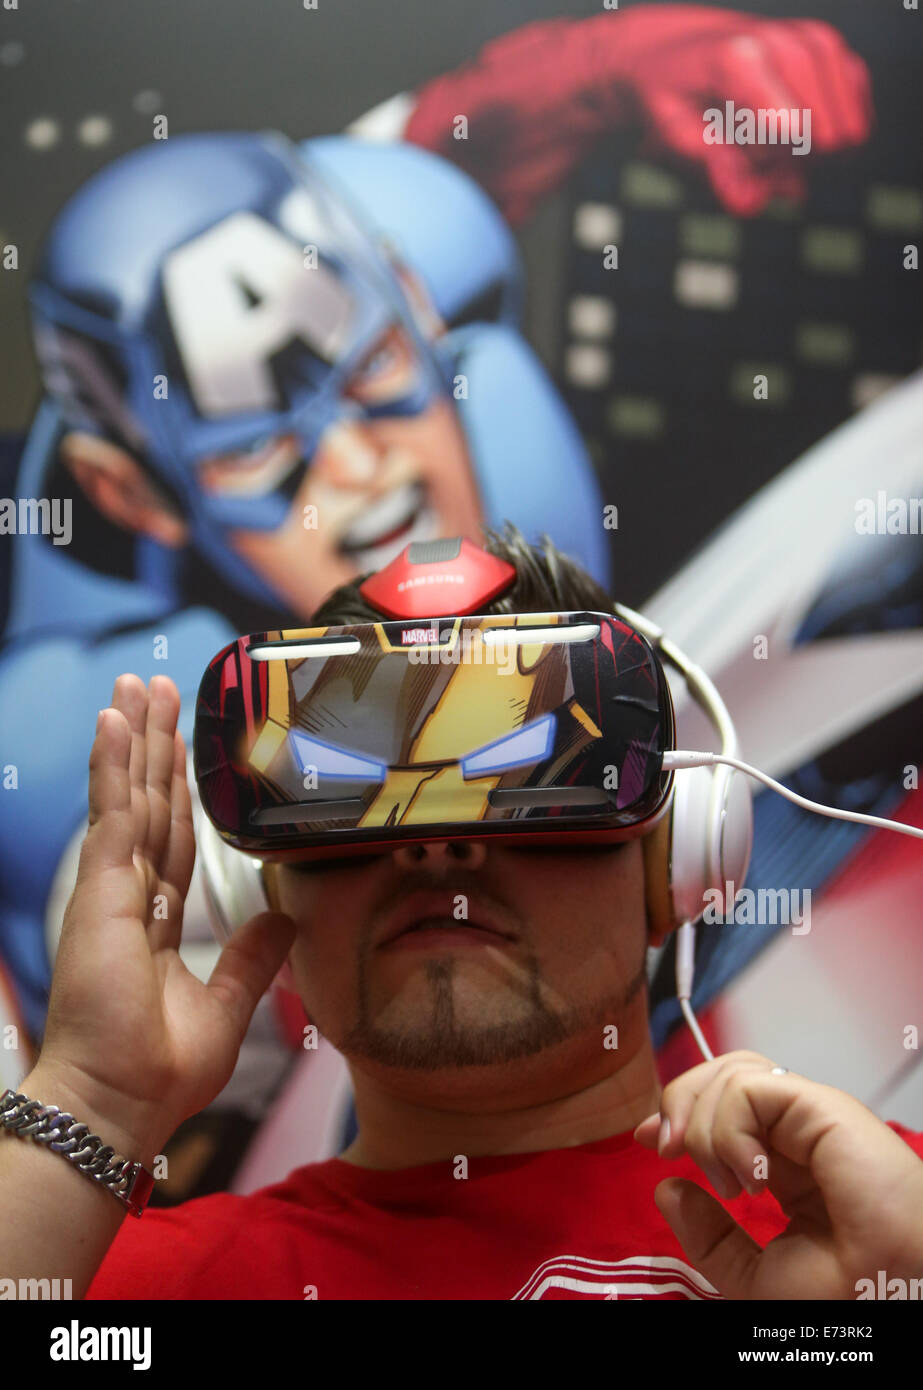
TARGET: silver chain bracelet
(47,1124)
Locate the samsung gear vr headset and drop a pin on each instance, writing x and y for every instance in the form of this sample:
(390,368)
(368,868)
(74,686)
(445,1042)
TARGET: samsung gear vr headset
(441,722)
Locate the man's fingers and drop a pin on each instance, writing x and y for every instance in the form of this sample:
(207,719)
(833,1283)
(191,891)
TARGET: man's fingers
(682,1094)
(249,963)
(712,1239)
(701,1141)
(732,1111)
(752,1103)
(722,1133)
(178,858)
(712,1118)
(110,839)
(129,695)
(647,1131)
(162,711)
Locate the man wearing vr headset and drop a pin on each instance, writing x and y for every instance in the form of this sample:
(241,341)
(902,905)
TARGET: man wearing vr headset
(512,1131)
(209,489)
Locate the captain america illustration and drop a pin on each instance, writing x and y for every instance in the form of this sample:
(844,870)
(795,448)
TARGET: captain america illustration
(270,366)
(410,427)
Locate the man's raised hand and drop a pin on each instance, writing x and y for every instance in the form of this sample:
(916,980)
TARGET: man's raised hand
(131,1033)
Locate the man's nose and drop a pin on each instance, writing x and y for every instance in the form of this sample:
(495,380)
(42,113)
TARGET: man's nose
(441,854)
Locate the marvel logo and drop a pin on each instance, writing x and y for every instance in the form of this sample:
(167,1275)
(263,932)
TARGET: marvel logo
(419,634)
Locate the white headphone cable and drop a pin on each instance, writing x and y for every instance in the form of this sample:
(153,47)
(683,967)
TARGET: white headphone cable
(685,944)
(679,758)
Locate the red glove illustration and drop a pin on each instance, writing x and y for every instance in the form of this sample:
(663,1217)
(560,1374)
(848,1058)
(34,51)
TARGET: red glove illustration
(536,100)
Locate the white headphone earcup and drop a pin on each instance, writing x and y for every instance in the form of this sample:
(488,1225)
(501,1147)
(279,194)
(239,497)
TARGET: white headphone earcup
(233,884)
(730,830)
(712,835)
(690,870)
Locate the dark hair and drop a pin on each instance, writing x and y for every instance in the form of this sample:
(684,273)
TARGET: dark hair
(547,581)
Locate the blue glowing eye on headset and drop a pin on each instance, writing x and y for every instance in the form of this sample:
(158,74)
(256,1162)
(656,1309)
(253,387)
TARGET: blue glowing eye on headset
(327,760)
(529,745)
(520,749)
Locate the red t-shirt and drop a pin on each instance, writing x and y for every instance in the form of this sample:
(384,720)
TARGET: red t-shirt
(563,1223)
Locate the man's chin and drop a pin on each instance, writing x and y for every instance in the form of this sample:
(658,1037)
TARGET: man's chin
(453,1049)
